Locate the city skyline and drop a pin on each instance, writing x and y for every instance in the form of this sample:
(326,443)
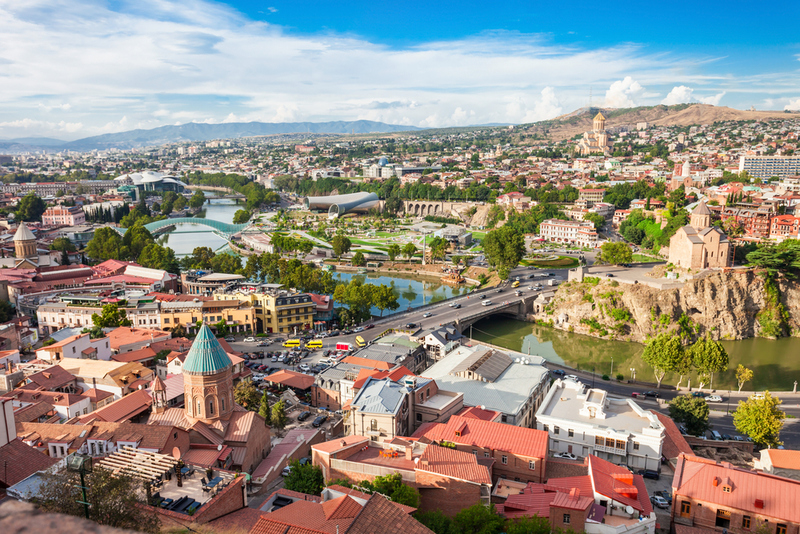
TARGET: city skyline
(90,67)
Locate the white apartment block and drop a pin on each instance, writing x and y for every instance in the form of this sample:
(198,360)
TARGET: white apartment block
(574,232)
(586,421)
(769,166)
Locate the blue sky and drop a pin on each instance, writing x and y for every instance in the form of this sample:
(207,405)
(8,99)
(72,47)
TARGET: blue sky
(74,68)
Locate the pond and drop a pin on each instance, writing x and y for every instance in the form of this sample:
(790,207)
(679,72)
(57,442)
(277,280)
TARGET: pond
(186,237)
(772,362)
(411,291)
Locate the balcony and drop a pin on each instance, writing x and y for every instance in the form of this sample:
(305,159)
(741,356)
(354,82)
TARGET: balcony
(611,450)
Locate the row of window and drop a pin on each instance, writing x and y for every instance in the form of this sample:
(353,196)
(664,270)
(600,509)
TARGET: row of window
(724,517)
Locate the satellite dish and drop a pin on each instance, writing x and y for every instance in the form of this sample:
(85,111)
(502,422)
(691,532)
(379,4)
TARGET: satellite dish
(219,447)
(176,453)
(629,510)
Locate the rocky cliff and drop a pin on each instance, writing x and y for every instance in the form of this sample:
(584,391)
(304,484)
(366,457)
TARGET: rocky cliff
(730,305)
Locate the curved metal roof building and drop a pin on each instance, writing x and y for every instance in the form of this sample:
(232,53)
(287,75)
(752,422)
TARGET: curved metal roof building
(338,205)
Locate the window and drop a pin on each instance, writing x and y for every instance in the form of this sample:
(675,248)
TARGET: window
(686,508)
(599,440)
(504,459)
(746,521)
(166,320)
(781,529)
(211,407)
(532,465)
(504,419)
(545,428)
(566,519)
(571,432)
(373,425)
(555,430)
(486,454)
(635,446)
(419,417)
(198,408)
(73,350)
(726,489)
(724,519)
(223,404)
(474,452)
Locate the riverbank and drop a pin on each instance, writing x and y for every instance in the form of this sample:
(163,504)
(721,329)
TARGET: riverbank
(389,268)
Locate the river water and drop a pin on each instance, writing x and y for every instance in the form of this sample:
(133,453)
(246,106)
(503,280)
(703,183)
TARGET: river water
(410,291)
(186,237)
(774,362)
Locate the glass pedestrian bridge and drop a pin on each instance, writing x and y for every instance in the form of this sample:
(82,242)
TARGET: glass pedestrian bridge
(222,229)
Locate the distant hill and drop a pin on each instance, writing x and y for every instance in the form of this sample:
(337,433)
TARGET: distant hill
(35,141)
(580,120)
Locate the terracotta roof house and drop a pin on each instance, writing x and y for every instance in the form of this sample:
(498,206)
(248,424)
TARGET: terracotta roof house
(129,408)
(19,460)
(780,462)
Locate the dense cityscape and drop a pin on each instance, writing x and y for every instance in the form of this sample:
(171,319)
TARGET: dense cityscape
(396,318)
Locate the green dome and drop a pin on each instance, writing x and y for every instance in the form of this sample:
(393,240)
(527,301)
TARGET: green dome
(206,357)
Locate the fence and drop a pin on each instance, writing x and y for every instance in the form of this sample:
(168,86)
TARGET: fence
(370,470)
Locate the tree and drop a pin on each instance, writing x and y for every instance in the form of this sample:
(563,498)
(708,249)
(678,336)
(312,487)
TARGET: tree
(341,245)
(30,208)
(110,317)
(709,357)
(760,419)
(241,216)
(279,418)
(393,251)
(596,219)
(662,353)
(358,259)
(528,525)
(478,519)
(197,200)
(265,411)
(226,263)
(384,298)
(6,311)
(180,203)
(63,244)
(409,249)
(437,521)
(305,478)
(115,499)
(201,258)
(246,395)
(504,249)
(743,374)
(106,244)
(692,412)
(393,487)
(154,256)
(178,331)
(221,327)
(615,253)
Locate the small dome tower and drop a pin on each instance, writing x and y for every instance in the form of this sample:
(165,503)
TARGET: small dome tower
(25,242)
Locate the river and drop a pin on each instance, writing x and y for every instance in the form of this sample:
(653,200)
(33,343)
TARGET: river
(186,237)
(411,291)
(772,362)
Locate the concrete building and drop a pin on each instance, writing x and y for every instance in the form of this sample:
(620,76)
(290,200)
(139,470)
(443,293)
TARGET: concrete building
(494,380)
(698,245)
(779,462)
(585,422)
(770,166)
(276,310)
(63,216)
(573,232)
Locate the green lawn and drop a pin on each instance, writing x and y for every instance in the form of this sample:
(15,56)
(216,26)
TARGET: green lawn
(562,262)
(641,258)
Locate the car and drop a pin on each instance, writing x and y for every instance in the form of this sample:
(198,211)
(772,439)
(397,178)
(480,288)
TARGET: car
(625,467)
(304,367)
(358,329)
(727,437)
(249,340)
(457,306)
(572,377)
(305,461)
(303,416)
(558,372)
(286,471)
(649,473)
(609,275)
(230,338)
(326,361)
(664,494)
(649,394)
(757,396)
(482,297)
(486,303)
(274,358)
(318,422)
(659,502)
(738,438)
(427,314)
(531,277)
(452,304)
(499,291)
(411,325)
(516,279)
(565,456)
(367,327)
(698,394)
(713,398)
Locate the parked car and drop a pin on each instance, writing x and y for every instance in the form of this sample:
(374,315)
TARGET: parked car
(367,327)
(304,367)
(558,372)
(664,494)
(648,473)
(305,460)
(646,394)
(286,471)
(572,377)
(249,340)
(565,456)
(659,502)
(411,325)
(757,396)
(698,394)
(303,416)
(319,421)
(713,398)
(230,338)
(609,275)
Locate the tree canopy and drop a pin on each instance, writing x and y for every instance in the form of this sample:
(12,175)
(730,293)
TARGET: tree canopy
(110,317)
(305,478)
(30,208)
(504,249)
(761,419)
(692,412)
(615,253)
(663,353)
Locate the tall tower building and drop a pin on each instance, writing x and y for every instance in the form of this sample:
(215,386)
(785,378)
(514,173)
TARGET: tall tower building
(158,390)
(208,379)
(25,243)
(599,122)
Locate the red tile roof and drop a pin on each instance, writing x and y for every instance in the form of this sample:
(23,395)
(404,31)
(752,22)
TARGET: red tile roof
(618,483)
(695,477)
(784,459)
(21,461)
(674,442)
(366,362)
(123,409)
(238,522)
(475,412)
(329,447)
(291,379)
(527,442)
(453,464)
(143,354)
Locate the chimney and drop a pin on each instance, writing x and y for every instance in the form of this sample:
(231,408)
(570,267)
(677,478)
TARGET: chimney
(409,452)
(424,461)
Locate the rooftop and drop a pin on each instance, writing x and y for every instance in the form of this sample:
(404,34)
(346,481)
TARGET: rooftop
(206,355)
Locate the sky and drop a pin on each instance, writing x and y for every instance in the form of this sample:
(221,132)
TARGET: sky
(76,68)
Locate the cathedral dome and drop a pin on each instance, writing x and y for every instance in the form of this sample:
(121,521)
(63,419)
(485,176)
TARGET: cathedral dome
(206,357)
(24,233)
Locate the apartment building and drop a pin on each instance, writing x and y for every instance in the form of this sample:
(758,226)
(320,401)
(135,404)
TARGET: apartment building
(591,195)
(580,233)
(585,421)
(784,227)
(709,496)
(770,166)
(238,317)
(276,310)
(63,216)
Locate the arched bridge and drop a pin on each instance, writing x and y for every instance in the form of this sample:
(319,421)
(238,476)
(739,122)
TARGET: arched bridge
(222,229)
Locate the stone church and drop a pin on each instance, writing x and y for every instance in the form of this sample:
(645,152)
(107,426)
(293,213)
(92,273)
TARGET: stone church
(698,245)
(595,141)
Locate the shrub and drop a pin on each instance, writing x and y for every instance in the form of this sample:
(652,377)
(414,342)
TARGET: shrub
(620,377)
(605,377)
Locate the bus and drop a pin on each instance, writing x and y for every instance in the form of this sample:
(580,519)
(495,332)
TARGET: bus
(315,344)
(515,284)
(291,343)
(360,342)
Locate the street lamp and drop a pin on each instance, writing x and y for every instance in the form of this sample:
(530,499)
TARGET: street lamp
(81,463)
(633,374)
(612,367)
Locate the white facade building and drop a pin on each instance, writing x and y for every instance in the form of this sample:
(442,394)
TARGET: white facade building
(574,232)
(586,421)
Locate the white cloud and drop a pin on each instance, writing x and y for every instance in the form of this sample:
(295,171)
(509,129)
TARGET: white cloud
(545,107)
(624,93)
(27,125)
(682,94)
(793,105)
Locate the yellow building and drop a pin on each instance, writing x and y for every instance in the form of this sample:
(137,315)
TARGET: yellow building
(238,316)
(276,311)
(596,141)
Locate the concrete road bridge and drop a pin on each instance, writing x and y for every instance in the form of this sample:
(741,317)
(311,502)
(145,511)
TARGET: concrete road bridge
(224,230)
(438,208)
